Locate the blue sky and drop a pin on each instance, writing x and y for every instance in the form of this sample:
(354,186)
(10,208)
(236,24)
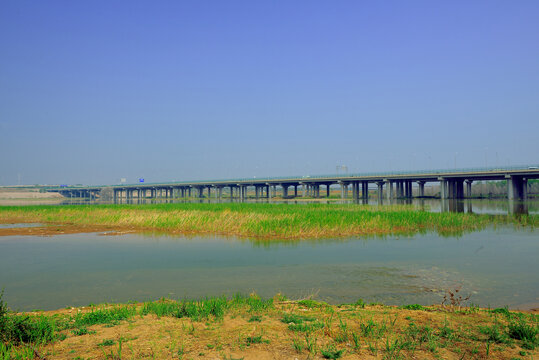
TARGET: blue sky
(95,91)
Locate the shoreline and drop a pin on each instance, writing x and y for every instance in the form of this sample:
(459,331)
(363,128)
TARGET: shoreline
(253,328)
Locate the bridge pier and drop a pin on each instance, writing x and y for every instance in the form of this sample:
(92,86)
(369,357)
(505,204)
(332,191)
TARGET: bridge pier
(389,190)
(421,185)
(344,190)
(517,188)
(285,190)
(380,191)
(365,191)
(468,188)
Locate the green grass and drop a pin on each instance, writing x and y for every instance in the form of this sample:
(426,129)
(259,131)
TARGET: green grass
(262,220)
(306,326)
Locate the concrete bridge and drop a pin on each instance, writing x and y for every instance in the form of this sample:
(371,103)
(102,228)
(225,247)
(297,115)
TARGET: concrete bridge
(454,184)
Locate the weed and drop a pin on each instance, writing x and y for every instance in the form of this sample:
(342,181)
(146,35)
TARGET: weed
(356,340)
(503,311)
(330,352)
(306,327)
(392,348)
(310,342)
(296,319)
(255,318)
(308,303)
(454,300)
(298,345)
(360,303)
(82,331)
(368,329)
(107,342)
(373,348)
(522,331)
(412,307)
(255,340)
(494,334)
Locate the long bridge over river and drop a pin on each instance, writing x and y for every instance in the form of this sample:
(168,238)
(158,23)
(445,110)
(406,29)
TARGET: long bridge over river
(454,184)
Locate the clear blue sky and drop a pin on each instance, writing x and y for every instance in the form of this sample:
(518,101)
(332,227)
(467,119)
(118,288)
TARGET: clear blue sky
(95,91)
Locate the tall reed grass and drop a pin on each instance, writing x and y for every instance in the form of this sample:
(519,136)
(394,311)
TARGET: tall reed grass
(262,220)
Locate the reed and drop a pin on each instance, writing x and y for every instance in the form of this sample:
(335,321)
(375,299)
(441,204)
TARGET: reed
(262,220)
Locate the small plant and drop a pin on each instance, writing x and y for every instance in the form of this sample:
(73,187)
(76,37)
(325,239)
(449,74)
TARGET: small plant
(306,327)
(308,303)
(330,352)
(255,318)
(296,319)
(356,340)
(360,303)
(255,340)
(298,345)
(107,342)
(368,328)
(82,331)
(494,334)
(310,342)
(454,300)
(503,311)
(393,348)
(413,307)
(522,331)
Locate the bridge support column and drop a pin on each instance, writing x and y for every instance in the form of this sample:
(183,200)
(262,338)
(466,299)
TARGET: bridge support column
(365,191)
(344,190)
(327,190)
(410,193)
(469,188)
(443,188)
(389,190)
(400,187)
(285,190)
(421,185)
(517,188)
(380,191)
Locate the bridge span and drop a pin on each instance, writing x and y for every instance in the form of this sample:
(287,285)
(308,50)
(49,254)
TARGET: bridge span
(453,184)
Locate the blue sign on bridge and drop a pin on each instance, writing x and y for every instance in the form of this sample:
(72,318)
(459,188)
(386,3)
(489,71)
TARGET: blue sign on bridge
(141,180)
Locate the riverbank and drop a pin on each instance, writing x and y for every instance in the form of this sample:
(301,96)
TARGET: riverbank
(281,221)
(248,327)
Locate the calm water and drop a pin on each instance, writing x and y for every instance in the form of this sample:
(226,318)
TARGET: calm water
(496,266)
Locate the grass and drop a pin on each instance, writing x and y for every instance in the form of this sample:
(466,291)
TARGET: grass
(220,328)
(262,220)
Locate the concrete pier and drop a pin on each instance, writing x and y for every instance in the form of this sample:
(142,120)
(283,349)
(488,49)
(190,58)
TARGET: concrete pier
(517,188)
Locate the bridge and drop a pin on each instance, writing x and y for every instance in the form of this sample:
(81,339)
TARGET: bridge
(389,185)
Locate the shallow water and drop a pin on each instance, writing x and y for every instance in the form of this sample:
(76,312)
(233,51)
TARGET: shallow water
(19,225)
(497,267)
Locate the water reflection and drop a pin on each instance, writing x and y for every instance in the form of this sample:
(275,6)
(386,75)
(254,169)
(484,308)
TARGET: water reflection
(497,266)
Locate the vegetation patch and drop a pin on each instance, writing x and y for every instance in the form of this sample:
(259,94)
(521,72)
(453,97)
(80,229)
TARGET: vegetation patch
(218,328)
(272,221)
